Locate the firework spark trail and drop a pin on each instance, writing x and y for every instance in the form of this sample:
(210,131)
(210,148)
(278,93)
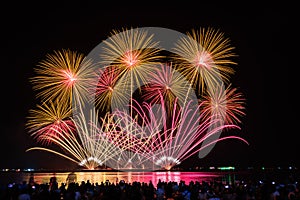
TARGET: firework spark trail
(187,143)
(68,144)
(133,52)
(181,131)
(182,137)
(135,140)
(89,146)
(93,136)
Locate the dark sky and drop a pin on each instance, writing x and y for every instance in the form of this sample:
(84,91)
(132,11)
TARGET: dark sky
(261,34)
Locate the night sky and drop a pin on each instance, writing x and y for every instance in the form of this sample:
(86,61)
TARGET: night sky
(261,34)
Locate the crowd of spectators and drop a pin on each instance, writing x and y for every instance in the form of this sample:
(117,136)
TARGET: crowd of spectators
(248,189)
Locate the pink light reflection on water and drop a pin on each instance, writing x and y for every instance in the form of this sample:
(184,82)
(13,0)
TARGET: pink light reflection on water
(129,177)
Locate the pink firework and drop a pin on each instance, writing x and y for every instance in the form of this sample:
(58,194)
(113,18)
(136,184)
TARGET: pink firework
(164,138)
(185,133)
(165,81)
(107,89)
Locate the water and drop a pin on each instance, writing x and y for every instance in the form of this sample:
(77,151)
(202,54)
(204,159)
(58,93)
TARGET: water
(113,177)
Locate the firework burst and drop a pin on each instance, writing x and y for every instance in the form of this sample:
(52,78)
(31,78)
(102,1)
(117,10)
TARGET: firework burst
(166,81)
(227,104)
(63,75)
(44,121)
(205,58)
(108,90)
(133,52)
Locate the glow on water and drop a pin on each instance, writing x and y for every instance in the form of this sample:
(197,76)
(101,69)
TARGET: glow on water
(129,177)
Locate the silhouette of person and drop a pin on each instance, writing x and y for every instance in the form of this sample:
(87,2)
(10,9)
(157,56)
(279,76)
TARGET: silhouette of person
(53,185)
(31,180)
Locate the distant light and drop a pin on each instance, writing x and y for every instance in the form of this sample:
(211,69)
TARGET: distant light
(226,168)
(211,167)
(29,169)
(263,168)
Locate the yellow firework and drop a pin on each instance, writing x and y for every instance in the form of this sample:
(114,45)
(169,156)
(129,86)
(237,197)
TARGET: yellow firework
(44,120)
(133,52)
(204,57)
(61,75)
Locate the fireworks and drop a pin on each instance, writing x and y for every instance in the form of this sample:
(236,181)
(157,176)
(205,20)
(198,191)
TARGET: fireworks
(204,57)
(62,75)
(44,121)
(107,89)
(166,124)
(133,52)
(226,104)
(88,144)
(166,81)
(163,142)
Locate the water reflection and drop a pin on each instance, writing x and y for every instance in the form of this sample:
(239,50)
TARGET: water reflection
(71,178)
(113,177)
